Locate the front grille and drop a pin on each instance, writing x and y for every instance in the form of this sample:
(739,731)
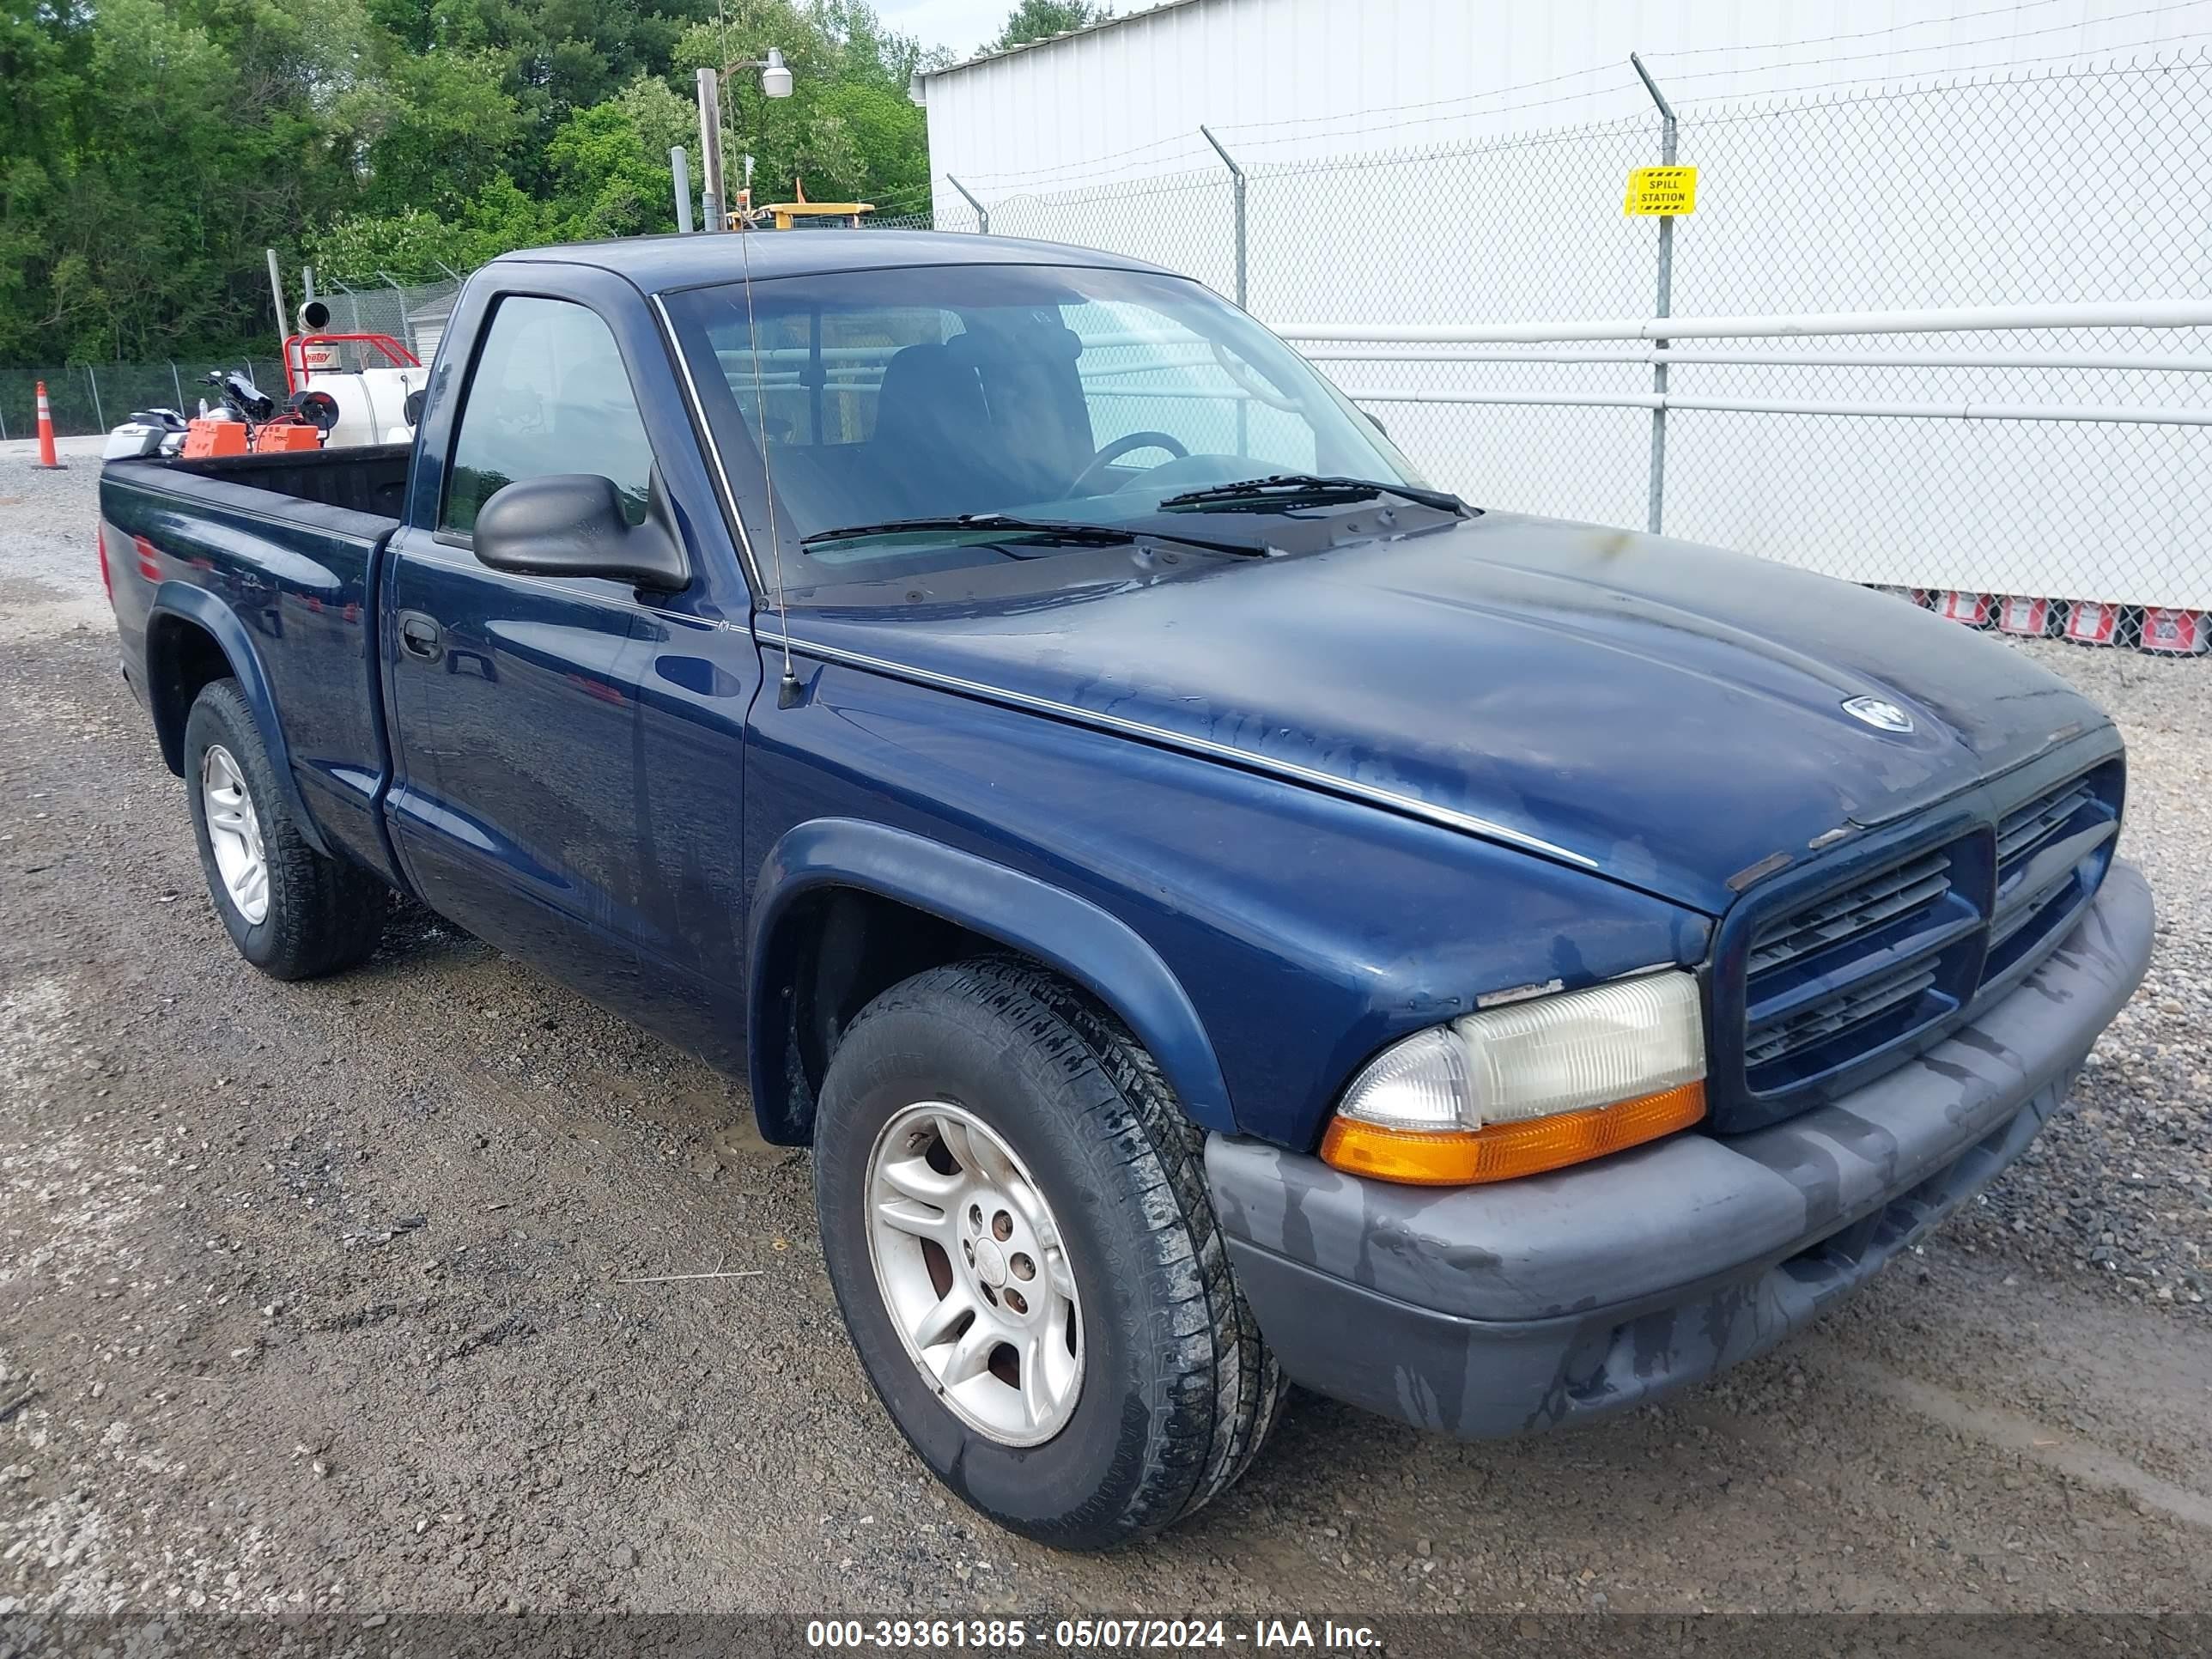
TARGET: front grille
(1893,894)
(2048,859)
(1840,1014)
(1840,981)
(1854,968)
(2021,831)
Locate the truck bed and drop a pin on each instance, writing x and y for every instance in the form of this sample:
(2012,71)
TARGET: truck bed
(370,482)
(271,561)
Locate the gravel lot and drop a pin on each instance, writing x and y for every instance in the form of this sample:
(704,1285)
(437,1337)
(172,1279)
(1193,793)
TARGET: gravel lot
(315,1296)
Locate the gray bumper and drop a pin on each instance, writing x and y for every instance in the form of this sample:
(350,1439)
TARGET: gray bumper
(1489,1311)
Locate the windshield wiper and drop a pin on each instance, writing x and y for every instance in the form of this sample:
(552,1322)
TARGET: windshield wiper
(1065,530)
(1103,535)
(1303,486)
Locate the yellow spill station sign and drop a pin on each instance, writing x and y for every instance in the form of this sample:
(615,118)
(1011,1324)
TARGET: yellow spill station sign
(1658,192)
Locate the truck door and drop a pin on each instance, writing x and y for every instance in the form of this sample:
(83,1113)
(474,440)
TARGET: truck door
(521,705)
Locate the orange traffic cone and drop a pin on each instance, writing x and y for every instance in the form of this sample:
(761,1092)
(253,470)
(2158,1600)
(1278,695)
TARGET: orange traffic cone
(47,456)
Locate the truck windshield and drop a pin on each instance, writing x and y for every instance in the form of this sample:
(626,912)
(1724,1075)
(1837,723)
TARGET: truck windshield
(1031,393)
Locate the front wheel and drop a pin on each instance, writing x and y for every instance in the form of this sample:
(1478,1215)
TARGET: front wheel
(1014,1215)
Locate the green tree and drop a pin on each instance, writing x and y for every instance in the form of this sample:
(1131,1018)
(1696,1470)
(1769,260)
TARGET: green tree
(434,130)
(887,139)
(157,148)
(849,129)
(150,149)
(1040,19)
(611,170)
(416,244)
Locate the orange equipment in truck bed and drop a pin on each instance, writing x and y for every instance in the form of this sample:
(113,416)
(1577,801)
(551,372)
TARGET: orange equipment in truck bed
(206,437)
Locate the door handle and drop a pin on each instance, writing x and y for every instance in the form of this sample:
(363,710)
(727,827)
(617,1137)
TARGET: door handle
(421,636)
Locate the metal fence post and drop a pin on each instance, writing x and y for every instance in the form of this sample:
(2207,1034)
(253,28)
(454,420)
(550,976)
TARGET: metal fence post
(1236,205)
(1236,200)
(1666,136)
(277,295)
(982,213)
(99,420)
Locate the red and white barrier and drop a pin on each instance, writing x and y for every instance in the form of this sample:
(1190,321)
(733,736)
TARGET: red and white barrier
(2018,614)
(2091,622)
(2163,630)
(1973,610)
(2174,633)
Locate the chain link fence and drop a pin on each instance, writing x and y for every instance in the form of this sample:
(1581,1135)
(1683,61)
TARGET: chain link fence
(2072,465)
(2049,189)
(89,399)
(413,313)
(1945,463)
(1500,232)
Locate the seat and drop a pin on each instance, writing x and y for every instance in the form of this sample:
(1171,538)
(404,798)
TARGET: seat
(930,414)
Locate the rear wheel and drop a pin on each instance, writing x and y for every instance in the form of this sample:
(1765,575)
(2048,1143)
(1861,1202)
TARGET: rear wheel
(293,913)
(1014,1215)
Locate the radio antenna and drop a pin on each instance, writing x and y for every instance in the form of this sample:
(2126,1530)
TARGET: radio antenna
(787,691)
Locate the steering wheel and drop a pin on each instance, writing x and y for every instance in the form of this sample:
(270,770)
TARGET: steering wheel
(1086,480)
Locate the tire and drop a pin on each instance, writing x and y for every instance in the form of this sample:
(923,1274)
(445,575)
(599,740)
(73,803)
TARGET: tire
(319,915)
(1177,1392)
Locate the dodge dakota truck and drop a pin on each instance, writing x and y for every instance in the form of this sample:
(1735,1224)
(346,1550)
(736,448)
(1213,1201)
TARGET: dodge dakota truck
(1222,911)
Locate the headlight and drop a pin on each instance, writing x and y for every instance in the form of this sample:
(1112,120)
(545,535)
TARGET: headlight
(1532,1086)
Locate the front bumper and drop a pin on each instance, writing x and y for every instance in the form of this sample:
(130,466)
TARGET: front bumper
(1491,1312)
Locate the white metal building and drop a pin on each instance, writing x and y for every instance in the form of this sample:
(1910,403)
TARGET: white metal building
(1425,164)
(1287,80)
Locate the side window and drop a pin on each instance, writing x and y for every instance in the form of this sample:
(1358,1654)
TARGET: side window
(548,395)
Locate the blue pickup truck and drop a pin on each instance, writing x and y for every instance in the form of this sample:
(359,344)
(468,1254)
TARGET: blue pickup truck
(1222,911)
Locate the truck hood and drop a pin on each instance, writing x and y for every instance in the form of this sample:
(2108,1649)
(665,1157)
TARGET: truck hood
(1669,714)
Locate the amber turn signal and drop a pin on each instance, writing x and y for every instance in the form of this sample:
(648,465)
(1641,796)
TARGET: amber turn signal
(1500,1152)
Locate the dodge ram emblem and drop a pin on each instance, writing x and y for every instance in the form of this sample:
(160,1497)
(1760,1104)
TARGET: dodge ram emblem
(1882,716)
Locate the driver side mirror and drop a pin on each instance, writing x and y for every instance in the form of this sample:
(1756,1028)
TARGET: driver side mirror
(571,524)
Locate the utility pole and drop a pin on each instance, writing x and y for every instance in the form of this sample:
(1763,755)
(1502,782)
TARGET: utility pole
(710,150)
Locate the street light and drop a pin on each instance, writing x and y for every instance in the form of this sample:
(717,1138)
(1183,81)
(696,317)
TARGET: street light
(776,77)
(775,82)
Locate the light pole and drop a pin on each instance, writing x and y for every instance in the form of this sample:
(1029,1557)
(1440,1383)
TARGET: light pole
(775,82)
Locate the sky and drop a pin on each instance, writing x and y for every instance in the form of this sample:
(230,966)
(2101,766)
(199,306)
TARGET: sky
(962,25)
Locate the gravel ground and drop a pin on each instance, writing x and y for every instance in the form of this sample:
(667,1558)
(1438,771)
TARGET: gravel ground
(319,1296)
(2120,1188)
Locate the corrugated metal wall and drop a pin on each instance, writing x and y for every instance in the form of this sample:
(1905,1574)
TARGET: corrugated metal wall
(1286,80)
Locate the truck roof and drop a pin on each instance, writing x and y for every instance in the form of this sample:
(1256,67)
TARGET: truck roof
(660,264)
